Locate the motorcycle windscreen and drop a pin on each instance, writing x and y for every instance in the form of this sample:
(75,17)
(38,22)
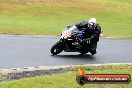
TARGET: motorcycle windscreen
(67,33)
(73,29)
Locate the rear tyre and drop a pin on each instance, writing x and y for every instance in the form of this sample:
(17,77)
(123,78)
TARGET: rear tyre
(93,48)
(82,52)
(93,52)
(57,48)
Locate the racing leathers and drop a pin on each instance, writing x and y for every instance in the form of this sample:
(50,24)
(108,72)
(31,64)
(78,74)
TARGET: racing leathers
(90,33)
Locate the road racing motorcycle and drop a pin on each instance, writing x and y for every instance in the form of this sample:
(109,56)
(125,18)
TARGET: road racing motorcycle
(71,41)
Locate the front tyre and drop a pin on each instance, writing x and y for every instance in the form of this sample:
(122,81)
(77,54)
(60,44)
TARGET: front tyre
(57,48)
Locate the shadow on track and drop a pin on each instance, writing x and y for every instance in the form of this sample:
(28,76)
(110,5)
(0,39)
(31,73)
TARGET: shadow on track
(78,56)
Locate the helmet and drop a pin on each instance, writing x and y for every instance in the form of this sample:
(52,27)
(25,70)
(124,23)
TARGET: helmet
(92,23)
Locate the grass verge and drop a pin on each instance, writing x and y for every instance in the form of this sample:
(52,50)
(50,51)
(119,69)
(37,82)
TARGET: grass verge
(51,16)
(67,80)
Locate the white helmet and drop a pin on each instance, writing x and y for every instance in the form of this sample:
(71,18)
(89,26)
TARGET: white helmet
(92,21)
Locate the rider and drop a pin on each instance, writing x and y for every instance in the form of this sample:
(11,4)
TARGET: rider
(91,31)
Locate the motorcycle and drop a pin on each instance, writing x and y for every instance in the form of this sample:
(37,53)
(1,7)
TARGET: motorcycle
(71,40)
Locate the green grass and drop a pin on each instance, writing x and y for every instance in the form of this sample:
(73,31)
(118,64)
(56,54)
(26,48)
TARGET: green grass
(48,17)
(67,80)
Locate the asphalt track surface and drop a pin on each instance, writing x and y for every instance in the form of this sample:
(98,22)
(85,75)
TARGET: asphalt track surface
(18,51)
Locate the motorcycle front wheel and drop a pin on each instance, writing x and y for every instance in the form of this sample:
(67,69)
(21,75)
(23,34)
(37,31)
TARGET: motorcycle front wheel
(57,48)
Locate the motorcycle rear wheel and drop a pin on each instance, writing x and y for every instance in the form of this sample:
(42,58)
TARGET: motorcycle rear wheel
(82,53)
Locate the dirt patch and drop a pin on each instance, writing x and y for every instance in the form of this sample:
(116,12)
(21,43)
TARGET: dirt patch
(15,74)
